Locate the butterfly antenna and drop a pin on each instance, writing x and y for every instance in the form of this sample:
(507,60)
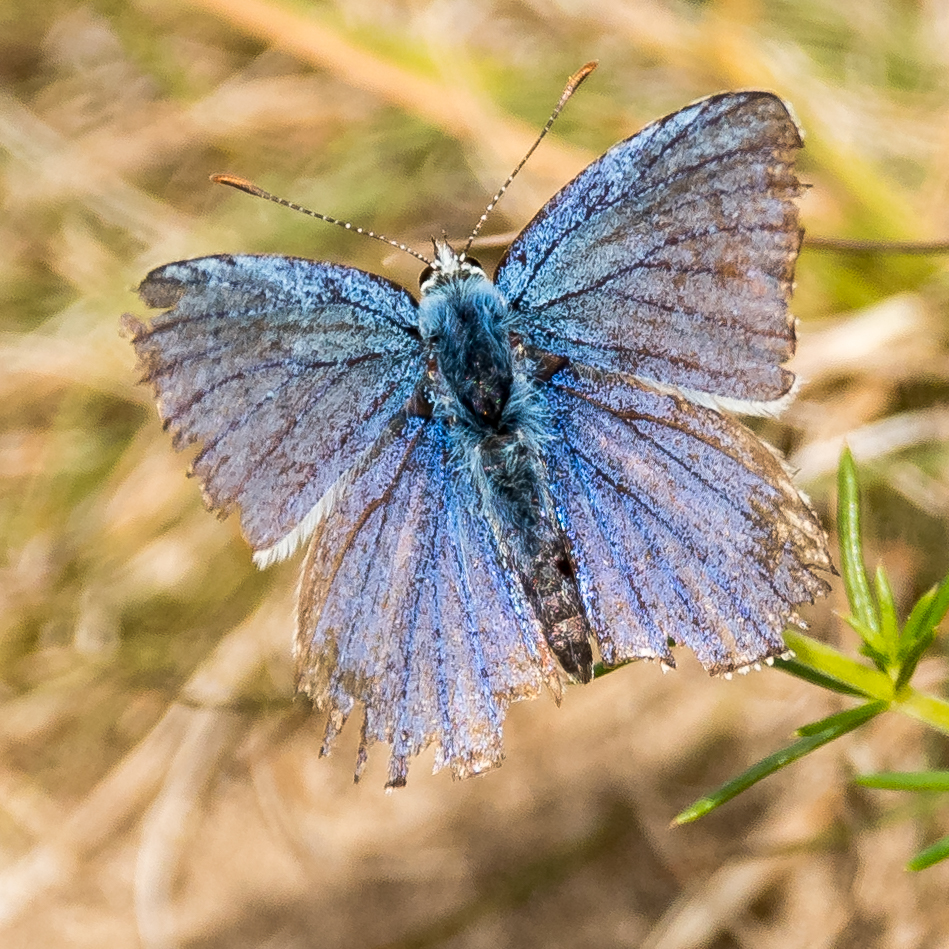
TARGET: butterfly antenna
(573,83)
(242,184)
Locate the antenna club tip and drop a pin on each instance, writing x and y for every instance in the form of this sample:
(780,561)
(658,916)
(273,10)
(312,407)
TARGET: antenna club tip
(582,73)
(234,181)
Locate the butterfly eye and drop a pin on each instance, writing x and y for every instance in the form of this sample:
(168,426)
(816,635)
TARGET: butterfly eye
(425,276)
(472,262)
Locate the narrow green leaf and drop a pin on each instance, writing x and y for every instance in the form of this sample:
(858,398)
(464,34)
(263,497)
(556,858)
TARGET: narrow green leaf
(917,618)
(842,722)
(851,556)
(835,726)
(939,606)
(827,660)
(873,646)
(802,671)
(910,661)
(889,623)
(905,780)
(934,854)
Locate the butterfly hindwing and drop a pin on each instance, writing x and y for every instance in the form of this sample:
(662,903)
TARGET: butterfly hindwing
(406,609)
(671,257)
(683,525)
(285,369)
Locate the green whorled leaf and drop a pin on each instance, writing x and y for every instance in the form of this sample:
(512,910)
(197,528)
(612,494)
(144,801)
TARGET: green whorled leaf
(938,852)
(873,645)
(842,722)
(831,728)
(920,630)
(828,661)
(889,623)
(815,677)
(851,555)
(939,606)
(918,618)
(905,780)
(910,660)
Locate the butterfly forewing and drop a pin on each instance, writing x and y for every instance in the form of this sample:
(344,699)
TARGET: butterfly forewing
(405,608)
(682,524)
(285,370)
(672,256)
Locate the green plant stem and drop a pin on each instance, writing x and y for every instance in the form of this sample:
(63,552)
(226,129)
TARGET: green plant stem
(925,708)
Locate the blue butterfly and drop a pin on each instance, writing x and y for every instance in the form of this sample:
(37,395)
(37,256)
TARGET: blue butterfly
(501,481)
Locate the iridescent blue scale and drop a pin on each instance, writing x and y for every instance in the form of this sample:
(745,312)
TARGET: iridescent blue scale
(503,480)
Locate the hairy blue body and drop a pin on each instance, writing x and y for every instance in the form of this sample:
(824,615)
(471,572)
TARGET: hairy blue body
(486,392)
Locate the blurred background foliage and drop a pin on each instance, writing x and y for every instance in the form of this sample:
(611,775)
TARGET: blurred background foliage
(159,785)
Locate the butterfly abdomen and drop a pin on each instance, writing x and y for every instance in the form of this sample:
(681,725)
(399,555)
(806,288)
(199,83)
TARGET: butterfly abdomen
(496,419)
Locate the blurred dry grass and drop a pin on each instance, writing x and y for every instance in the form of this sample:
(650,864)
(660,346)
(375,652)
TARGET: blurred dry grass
(158,786)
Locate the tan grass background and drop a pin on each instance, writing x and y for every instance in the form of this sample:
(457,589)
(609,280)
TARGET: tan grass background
(159,786)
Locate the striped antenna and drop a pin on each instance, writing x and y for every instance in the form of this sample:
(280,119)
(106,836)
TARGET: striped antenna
(573,83)
(242,184)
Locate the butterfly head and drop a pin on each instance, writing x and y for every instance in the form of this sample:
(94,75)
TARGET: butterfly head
(448,265)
